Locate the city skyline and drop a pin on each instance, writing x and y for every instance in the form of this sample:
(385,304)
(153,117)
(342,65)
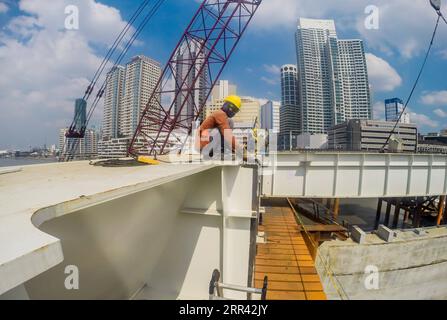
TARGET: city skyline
(38,95)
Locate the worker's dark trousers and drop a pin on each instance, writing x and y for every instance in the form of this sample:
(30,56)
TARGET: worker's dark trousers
(223,148)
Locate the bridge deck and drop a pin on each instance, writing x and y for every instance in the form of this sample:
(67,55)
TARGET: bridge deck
(286,259)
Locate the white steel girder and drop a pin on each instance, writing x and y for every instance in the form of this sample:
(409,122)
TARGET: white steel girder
(353,175)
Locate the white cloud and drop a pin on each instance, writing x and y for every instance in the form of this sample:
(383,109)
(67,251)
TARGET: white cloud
(3,7)
(440,113)
(378,110)
(270,80)
(273,69)
(382,76)
(273,76)
(423,120)
(45,67)
(435,98)
(261,101)
(399,29)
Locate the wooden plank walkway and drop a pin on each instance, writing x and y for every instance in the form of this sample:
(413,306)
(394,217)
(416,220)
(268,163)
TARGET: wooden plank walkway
(285,259)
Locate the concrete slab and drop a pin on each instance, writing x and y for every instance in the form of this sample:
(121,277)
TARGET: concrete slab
(409,267)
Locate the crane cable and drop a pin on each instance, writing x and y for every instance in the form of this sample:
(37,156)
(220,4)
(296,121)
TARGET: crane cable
(109,55)
(441,15)
(140,28)
(416,82)
(104,63)
(98,97)
(114,46)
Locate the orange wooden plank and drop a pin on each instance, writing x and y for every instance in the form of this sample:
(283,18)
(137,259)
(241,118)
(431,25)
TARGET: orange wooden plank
(313,286)
(305,263)
(285,295)
(281,229)
(310,278)
(300,247)
(278,257)
(308,270)
(280,285)
(316,296)
(270,221)
(283,224)
(286,259)
(300,252)
(277,233)
(285,241)
(304,257)
(279,263)
(278,277)
(294,270)
(292,238)
(286,246)
(275,251)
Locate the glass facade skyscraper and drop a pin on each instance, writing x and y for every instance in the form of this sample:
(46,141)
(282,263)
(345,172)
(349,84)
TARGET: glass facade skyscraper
(393,108)
(80,114)
(290,115)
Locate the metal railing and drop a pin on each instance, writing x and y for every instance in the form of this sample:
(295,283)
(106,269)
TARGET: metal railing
(216,288)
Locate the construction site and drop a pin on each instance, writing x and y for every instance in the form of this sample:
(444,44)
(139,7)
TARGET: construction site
(289,238)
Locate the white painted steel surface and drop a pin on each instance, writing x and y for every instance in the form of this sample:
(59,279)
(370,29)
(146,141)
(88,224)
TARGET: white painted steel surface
(354,175)
(135,232)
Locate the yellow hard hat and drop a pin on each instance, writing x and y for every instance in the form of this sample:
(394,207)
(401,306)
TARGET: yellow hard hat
(235,100)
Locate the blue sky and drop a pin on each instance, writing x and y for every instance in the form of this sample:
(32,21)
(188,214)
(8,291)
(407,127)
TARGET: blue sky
(44,67)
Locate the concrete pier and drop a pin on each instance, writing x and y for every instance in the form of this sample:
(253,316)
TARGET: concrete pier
(412,266)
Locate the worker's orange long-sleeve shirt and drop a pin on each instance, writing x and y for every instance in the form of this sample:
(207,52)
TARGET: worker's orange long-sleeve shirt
(219,120)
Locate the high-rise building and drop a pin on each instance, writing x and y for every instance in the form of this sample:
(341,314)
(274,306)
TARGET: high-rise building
(393,108)
(223,89)
(355,93)
(184,69)
(333,77)
(249,113)
(290,113)
(270,117)
(80,116)
(141,78)
(113,99)
(372,135)
(314,68)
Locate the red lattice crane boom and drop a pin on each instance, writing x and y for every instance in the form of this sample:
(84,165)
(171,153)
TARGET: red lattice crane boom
(190,74)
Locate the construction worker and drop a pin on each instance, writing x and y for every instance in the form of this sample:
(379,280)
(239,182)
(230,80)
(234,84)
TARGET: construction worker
(221,120)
